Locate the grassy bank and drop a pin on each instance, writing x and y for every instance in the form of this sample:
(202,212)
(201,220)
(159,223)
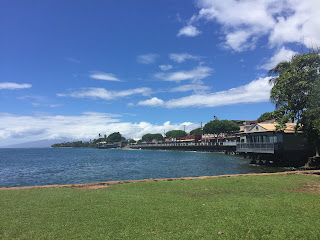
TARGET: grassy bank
(245,207)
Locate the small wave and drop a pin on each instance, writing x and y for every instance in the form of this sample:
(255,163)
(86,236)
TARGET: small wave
(52,171)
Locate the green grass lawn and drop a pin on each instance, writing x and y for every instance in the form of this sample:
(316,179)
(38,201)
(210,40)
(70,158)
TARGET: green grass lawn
(245,207)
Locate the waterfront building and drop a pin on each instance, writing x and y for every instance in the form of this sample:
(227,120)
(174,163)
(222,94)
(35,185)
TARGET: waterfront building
(262,140)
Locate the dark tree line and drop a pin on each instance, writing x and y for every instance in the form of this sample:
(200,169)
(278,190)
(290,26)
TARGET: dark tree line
(77,144)
(149,137)
(213,127)
(113,137)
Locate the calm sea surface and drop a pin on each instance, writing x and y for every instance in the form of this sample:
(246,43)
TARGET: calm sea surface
(29,167)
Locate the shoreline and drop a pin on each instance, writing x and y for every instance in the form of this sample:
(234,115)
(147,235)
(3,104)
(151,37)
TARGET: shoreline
(101,185)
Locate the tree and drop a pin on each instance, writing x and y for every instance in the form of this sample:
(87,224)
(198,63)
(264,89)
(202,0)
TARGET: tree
(229,126)
(176,134)
(147,137)
(212,127)
(132,141)
(296,94)
(197,131)
(115,137)
(265,116)
(220,126)
(150,136)
(77,144)
(158,136)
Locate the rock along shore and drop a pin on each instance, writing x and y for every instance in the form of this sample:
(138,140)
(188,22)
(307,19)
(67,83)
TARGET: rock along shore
(100,185)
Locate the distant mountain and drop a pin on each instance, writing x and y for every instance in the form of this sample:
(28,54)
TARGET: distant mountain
(38,144)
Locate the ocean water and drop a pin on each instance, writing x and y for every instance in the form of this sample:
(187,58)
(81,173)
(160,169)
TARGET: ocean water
(30,167)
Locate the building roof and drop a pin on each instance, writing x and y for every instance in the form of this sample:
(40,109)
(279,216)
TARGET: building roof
(271,127)
(251,122)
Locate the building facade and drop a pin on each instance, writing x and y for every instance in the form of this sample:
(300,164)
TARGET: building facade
(262,140)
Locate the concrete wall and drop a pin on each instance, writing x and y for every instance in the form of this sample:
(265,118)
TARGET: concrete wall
(200,148)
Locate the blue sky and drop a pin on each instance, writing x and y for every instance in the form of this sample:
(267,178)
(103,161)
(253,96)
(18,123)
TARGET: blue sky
(79,68)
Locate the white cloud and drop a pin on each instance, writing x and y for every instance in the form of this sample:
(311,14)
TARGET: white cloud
(254,92)
(244,22)
(190,87)
(239,41)
(39,101)
(248,13)
(79,127)
(104,76)
(106,94)
(151,102)
(197,73)
(165,67)
(282,55)
(33,97)
(36,104)
(13,86)
(303,26)
(54,105)
(147,58)
(188,31)
(181,57)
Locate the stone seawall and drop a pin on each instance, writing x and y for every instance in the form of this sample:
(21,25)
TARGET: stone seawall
(198,148)
(100,185)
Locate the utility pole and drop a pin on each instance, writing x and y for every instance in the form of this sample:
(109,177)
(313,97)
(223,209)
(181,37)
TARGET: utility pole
(201,129)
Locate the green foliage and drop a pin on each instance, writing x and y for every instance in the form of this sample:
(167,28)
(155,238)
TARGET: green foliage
(197,131)
(150,136)
(77,144)
(95,141)
(250,207)
(176,134)
(266,116)
(131,141)
(115,137)
(220,126)
(296,94)
(212,127)
(229,126)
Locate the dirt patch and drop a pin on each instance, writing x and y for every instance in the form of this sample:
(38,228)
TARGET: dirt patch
(89,186)
(101,185)
(309,187)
